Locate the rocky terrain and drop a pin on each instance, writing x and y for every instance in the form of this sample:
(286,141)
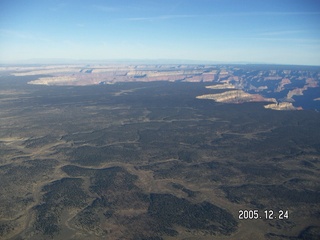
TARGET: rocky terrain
(282,106)
(236,96)
(289,87)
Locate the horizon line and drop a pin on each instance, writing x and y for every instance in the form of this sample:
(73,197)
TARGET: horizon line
(70,61)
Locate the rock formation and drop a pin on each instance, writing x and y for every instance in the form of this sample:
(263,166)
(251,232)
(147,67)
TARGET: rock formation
(282,106)
(236,96)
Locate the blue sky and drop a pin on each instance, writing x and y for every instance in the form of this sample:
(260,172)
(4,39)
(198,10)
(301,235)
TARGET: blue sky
(256,31)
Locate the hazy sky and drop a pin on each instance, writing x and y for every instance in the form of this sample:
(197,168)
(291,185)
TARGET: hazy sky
(264,31)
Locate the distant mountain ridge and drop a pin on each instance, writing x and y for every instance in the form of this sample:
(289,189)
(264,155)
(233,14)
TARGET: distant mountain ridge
(296,86)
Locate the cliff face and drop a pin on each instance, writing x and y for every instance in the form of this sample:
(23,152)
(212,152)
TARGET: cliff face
(310,83)
(282,84)
(60,80)
(263,84)
(221,86)
(236,96)
(239,96)
(75,75)
(282,106)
